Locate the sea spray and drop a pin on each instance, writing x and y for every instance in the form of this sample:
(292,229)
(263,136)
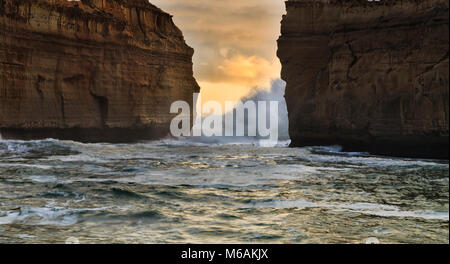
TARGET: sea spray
(260,118)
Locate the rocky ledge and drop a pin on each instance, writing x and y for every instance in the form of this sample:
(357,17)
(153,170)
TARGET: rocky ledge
(90,70)
(368,75)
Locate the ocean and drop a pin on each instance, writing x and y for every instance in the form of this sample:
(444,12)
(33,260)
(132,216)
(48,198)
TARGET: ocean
(179,191)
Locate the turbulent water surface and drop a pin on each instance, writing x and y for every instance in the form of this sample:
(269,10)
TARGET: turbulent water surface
(176,192)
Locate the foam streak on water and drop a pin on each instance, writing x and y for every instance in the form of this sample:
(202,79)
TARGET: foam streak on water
(182,191)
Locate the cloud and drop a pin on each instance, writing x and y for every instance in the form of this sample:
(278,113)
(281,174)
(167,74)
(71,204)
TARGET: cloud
(239,69)
(234,41)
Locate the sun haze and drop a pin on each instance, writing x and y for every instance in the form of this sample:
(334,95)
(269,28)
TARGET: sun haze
(234,41)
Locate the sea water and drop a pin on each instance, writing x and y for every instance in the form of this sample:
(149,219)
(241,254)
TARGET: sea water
(178,191)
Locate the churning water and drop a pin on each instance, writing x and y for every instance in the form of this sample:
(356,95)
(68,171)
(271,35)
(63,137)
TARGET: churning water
(176,192)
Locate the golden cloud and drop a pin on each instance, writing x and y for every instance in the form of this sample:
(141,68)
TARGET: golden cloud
(250,71)
(234,41)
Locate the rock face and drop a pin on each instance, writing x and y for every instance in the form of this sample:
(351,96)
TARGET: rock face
(370,76)
(90,70)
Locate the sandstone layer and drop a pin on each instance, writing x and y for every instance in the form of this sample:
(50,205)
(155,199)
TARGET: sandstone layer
(90,70)
(368,75)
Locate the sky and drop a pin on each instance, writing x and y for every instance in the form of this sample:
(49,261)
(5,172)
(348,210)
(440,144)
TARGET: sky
(234,41)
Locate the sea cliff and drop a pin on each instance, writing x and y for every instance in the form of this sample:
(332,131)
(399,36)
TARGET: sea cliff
(368,75)
(90,70)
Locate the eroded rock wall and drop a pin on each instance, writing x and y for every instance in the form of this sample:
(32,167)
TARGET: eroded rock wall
(371,76)
(90,70)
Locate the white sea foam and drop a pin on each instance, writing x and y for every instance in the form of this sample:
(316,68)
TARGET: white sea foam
(56,216)
(48,179)
(362,208)
(221,141)
(40,216)
(328,155)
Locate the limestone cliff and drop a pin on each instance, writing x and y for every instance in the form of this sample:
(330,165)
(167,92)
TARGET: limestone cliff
(90,70)
(369,75)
